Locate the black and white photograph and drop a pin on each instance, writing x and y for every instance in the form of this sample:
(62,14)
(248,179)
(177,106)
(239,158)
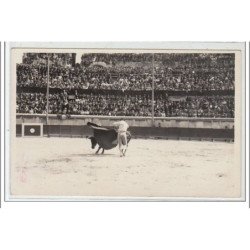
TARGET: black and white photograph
(126,123)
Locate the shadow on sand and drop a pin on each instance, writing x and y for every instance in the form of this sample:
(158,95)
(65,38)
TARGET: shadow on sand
(92,155)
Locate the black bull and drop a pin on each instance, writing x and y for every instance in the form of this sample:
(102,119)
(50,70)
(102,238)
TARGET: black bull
(105,138)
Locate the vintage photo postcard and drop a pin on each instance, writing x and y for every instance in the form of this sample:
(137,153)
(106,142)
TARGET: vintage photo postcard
(125,121)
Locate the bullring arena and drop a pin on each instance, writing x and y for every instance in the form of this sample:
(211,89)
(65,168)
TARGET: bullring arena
(157,167)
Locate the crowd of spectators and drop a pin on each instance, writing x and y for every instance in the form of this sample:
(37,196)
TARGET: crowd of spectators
(175,72)
(195,106)
(127,72)
(122,105)
(57,59)
(115,58)
(170,59)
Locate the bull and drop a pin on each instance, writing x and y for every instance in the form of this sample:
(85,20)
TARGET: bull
(105,138)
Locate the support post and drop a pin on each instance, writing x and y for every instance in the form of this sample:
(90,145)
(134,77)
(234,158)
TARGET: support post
(153,87)
(47,94)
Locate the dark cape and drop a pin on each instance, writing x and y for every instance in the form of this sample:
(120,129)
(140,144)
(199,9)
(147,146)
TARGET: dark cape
(106,138)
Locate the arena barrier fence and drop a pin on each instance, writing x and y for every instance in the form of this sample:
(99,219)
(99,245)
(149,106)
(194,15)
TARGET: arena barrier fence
(182,128)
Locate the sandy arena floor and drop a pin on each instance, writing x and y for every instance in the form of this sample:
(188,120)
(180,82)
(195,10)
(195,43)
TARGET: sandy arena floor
(162,168)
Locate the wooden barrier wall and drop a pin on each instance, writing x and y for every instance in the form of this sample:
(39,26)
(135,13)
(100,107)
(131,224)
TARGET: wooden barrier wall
(141,127)
(164,122)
